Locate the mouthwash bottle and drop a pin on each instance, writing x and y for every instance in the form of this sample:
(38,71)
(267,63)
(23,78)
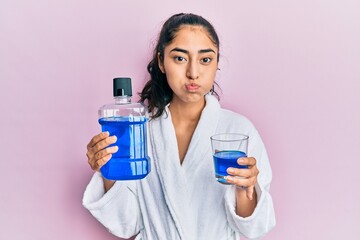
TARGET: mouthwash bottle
(127,121)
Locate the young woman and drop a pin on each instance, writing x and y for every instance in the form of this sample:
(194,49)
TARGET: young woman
(180,198)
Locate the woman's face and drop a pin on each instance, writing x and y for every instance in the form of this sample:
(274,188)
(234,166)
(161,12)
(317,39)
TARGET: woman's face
(190,64)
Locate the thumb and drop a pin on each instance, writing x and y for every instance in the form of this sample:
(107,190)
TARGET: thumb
(250,192)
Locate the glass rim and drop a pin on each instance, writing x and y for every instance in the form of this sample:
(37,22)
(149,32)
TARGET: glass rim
(235,137)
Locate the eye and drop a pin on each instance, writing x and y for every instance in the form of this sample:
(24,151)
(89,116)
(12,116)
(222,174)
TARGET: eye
(206,60)
(179,59)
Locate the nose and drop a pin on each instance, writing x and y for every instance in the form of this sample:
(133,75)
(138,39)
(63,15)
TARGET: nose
(192,71)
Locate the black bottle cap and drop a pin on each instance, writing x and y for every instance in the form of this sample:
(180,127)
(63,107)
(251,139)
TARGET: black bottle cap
(122,87)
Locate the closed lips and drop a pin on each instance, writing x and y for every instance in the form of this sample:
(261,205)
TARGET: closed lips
(192,86)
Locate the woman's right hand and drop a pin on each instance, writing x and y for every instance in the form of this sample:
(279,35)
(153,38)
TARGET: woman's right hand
(98,152)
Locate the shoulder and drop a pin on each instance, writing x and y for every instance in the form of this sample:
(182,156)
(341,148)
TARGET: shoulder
(228,115)
(235,122)
(227,120)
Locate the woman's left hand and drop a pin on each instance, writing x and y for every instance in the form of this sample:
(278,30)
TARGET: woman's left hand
(245,178)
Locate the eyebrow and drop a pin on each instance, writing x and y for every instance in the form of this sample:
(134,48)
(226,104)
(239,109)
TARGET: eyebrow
(187,52)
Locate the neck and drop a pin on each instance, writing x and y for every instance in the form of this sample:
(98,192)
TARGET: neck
(186,111)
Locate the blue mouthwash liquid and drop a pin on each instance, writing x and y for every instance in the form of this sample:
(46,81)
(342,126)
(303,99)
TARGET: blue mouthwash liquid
(130,161)
(225,159)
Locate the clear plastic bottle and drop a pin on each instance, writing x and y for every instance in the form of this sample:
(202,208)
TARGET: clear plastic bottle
(127,121)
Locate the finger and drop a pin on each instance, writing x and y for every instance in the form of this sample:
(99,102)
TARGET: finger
(241,182)
(102,153)
(250,192)
(97,139)
(103,144)
(238,181)
(247,161)
(243,172)
(100,145)
(101,162)
(240,172)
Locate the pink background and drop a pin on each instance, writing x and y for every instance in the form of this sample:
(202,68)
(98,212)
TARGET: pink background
(292,67)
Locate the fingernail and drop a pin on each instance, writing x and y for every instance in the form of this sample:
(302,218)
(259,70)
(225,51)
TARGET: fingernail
(114,138)
(229,178)
(241,160)
(106,133)
(230,170)
(116,148)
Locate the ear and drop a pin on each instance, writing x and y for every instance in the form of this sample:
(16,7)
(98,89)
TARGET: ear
(161,63)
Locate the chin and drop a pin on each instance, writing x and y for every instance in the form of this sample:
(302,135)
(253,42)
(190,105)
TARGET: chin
(193,98)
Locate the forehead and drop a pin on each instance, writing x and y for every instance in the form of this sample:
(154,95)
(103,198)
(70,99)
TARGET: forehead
(193,37)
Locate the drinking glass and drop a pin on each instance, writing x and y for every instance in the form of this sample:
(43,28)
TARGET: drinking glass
(227,148)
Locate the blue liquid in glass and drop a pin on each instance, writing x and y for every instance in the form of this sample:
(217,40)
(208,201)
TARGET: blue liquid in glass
(225,159)
(130,161)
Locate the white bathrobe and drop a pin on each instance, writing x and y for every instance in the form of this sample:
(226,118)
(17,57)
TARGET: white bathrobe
(185,201)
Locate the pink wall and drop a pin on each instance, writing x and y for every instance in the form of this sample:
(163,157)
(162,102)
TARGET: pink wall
(292,67)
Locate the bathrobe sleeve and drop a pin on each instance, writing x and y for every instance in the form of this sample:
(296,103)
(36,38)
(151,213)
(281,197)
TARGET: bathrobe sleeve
(263,218)
(118,209)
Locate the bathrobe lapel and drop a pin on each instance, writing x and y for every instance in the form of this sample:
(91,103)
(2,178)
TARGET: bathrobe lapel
(200,144)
